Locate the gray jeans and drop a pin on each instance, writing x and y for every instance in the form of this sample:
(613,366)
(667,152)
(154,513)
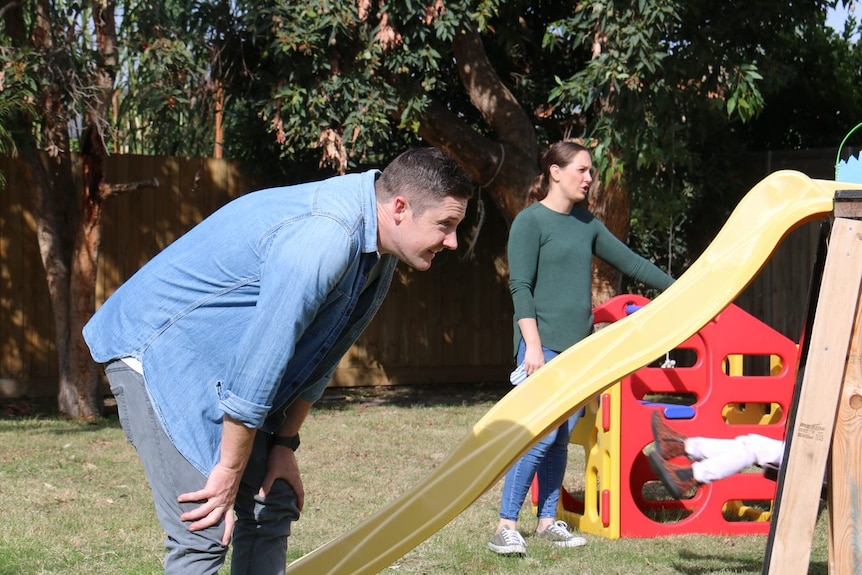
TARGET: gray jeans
(262,527)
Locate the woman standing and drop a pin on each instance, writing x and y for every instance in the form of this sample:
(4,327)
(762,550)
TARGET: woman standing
(551,246)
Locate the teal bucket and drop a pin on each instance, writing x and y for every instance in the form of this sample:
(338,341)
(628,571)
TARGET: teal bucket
(849,170)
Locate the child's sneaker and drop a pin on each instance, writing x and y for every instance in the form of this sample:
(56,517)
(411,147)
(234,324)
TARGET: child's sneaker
(668,443)
(677,479)
(558,533)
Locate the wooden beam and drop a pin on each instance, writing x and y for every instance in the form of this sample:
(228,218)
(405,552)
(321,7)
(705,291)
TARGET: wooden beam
(810,433)
(848,204)
(845,476)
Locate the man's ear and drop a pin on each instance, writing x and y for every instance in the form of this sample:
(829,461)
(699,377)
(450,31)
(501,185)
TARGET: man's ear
(400,208)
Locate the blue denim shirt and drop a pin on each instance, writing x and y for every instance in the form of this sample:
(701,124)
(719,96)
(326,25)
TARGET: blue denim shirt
(252,308)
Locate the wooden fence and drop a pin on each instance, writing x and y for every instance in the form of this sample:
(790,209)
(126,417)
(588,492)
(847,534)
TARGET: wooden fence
(451,324)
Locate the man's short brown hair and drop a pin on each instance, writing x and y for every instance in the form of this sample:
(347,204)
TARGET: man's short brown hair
(425,176)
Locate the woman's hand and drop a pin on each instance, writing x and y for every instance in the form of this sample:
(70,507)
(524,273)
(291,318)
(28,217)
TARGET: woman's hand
(534,358)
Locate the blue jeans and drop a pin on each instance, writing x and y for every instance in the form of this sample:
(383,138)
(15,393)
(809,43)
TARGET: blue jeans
(547,460)
(262,527)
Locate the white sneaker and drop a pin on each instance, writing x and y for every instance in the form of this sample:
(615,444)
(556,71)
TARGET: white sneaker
(508,542)
(558,533)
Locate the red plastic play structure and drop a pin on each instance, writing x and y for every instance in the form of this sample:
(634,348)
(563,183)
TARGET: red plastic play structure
(735,376)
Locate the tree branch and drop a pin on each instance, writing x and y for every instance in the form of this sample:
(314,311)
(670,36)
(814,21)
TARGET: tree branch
(499,108)
(109,190)
(443,128)
(7,7)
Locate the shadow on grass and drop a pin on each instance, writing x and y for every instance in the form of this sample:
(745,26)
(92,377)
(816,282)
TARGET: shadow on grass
(696,564)
(429,395)
(42,415)
(700,564)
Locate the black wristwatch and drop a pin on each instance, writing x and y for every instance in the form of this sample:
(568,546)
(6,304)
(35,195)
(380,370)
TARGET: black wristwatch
(291,443)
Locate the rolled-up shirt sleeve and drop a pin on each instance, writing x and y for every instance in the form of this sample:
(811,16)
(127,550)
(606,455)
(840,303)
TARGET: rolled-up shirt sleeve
(240,410)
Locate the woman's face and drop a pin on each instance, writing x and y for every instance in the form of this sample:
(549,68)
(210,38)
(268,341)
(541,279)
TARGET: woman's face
(575,178)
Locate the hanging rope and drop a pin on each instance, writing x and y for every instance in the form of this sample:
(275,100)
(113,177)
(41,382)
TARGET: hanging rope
(473,236)
(499,165)
(668,362)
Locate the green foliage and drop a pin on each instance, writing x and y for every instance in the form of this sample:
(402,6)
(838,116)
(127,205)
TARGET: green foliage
(176,57)
(346,79)
(17,96)
(162,116)
(657,84)
(65,70)
(810,88)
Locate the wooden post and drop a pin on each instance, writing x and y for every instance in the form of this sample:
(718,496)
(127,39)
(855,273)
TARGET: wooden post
(845,477)
(810,432)
(845,474)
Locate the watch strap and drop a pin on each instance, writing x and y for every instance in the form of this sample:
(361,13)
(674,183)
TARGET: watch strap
(291,443)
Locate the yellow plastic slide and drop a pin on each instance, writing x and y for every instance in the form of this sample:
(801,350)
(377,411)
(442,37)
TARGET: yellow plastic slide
(772,209)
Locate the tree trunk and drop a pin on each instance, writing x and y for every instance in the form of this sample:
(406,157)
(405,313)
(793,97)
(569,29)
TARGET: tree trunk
(55,214)
(85,258)
(68,222)
(68,237)
(503,170)
(612,206)
(218,152)
(83,372)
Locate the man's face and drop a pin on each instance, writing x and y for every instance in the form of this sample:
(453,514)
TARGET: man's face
(417,238)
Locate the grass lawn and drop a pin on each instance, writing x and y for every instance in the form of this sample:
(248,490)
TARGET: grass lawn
(74,499)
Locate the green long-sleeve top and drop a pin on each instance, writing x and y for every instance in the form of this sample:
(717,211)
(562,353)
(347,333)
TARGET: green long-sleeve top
(550,271)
